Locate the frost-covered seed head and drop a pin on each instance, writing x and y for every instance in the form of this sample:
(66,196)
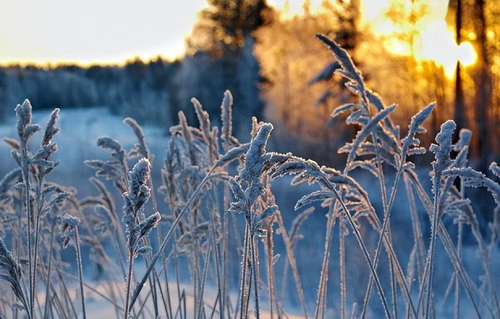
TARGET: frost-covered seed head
(51,128)
(23,113)
(226,116)
(139,176)
(142,229)
(141,148)
(67,228)
(253,163)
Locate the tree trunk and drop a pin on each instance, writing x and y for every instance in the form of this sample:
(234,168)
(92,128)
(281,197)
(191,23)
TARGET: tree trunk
(483,85)
(459,116)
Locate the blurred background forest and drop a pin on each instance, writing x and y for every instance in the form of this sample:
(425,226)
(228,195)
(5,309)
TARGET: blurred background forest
(410,52)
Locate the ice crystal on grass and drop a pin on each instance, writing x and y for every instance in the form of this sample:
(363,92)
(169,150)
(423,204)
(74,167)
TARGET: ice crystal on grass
(254,157)
(138,192)
(325,74)
(67,228)
(463,140)
(473,178)
(411,144)
(348,69)
(142,229)
(114,169)
(51,129)
(141,148)
(25,129)
(11,272)
(495,169)
(443,147)
(368,129)
(227,119)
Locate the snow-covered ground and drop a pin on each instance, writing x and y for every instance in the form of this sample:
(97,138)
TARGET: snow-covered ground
(80,129)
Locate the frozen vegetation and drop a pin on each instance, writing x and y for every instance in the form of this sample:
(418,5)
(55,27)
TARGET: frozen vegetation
(106,219)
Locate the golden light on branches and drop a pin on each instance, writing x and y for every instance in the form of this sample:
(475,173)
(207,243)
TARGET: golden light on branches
(406,28)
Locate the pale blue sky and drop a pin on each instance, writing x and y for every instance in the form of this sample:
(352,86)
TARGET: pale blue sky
(96,31)
(93,30)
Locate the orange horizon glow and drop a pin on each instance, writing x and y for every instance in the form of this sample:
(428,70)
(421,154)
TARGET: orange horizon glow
(120,63)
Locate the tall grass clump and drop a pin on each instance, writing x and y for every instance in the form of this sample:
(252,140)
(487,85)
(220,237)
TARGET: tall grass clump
(204,237)
(11,272)
(70,234)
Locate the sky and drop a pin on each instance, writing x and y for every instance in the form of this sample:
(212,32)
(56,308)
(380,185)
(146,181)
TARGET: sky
(96,31)
(108,31)
(93,31)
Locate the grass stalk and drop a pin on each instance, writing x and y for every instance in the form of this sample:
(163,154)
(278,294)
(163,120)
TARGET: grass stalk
(255,264)
(343,289)
(27,202)
(204,279)
(80,270)
(292,261)
(168,236)
(47,291)
(362,245)
(320,303)
(244,258)
(128,283)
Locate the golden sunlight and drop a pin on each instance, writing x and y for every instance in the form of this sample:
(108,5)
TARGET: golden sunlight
(437,44)
(405,28)
(419,30)
(290,8)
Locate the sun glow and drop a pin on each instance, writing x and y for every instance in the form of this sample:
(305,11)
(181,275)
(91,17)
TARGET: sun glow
(419,32)
(437,44)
